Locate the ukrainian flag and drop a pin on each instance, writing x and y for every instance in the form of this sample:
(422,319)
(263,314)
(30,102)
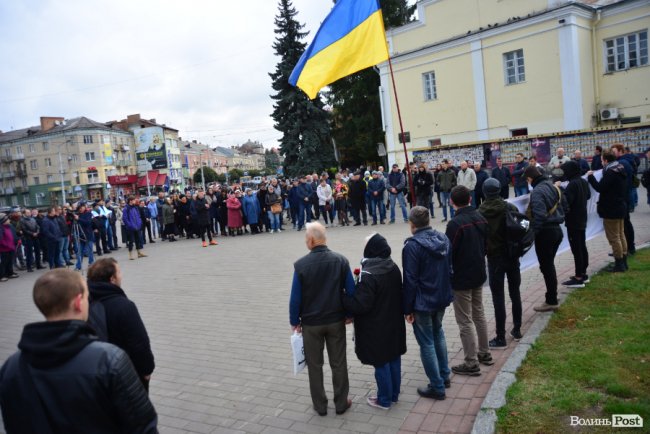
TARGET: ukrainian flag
(351,38)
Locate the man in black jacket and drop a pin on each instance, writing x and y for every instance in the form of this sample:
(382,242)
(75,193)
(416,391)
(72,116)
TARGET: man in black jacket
(577,194)
(316,311)
(357,195)
(502,174)
(379,330)
(124,327)
(467,233)
(546,211)
(63,380)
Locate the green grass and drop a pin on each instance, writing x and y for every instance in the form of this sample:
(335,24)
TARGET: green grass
(592,361)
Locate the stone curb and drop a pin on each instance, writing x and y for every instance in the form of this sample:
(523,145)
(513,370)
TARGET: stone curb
(486,419)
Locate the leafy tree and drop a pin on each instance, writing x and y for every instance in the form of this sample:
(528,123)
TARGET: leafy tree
(208,174)
(272,161)
(356,124)
(304,123)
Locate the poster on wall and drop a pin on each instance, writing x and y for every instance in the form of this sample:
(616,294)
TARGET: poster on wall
(150,149)
(541,148)
(108,150)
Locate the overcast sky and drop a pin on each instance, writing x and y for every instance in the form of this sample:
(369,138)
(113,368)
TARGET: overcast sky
(196,65)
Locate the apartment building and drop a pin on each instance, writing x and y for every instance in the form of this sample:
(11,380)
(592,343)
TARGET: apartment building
(62,160)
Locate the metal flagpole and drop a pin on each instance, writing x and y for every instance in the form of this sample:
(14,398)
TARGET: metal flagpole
(401,127)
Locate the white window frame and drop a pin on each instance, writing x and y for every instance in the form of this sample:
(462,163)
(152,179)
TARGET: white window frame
(37,180)
(32,148)
(50,179)
(514,66)
(93,177)
(46,146)
(88,139)
(90,156)
(429,89)
(48,162)
(33,164)
(620,52)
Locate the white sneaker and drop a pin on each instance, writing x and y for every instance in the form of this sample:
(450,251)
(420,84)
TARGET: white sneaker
(279,230)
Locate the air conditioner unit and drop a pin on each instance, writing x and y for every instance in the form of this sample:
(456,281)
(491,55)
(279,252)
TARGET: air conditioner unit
(607,114)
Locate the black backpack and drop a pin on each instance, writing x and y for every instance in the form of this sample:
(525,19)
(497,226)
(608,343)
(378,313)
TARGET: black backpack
(519,233)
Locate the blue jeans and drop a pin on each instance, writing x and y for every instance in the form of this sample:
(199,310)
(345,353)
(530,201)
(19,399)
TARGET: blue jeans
(402,203)
(53,257)
(446,203)
(377,202)
(84,248)
(109,236)
(427,328)
(389,379)
(304,207)
(274,220)
(521,191)
(64,250)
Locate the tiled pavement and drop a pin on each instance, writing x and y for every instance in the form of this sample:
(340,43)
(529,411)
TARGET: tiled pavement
(218,322)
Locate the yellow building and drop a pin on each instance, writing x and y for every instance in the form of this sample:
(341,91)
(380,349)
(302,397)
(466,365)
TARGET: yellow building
(480,70)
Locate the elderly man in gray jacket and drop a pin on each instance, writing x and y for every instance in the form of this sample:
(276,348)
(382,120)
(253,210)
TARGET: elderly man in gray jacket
(467,178)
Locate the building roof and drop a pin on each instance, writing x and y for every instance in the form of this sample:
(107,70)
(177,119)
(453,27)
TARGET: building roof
(79,123)
(225,151)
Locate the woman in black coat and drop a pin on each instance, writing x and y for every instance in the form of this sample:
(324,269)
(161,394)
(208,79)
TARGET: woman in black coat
(379,329)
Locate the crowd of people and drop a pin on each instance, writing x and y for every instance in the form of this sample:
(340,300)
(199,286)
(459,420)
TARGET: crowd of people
(56,236)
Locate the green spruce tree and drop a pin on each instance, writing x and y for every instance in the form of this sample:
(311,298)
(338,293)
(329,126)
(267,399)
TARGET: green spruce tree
(304,124)
(356,120)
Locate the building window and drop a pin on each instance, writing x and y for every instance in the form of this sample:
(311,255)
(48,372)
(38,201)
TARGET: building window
(19,149)
(519,132)
(50,179)
(33,164)
(48,162)
(37,180)
(26,199)
(434,142)
(32,147)
(514,67)
(46,146)
(74,158)
(93,177)
(88,139)
(429,83)
(625,52)
(39,199)
(90,156)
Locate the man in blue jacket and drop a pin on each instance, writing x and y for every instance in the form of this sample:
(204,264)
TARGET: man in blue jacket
(52,234)
(133,224)
(395,184)
(376,188)
(427,292)
(304,191)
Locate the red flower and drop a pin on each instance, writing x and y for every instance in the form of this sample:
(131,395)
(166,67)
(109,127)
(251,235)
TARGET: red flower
(357,271)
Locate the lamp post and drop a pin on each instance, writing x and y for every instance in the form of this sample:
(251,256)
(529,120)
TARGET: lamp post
(61,172)
(202,177)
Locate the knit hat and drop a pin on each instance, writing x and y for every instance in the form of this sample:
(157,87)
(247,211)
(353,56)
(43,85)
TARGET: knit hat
(532,172)
(367,173)
(3,218)
(377,247)
(491,188)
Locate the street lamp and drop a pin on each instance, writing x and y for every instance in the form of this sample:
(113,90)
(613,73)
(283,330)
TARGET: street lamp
(61,172)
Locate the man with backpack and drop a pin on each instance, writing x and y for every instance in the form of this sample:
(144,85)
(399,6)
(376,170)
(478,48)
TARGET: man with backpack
(546,213)
(116,319)
(500,263)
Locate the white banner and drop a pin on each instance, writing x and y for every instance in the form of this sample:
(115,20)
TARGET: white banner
(594,223)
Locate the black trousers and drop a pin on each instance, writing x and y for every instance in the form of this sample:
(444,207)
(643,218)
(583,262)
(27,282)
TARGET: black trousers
(578,245)
(547,241)
(203,229)
(7,264)
(101,238)
(133,237)
(498,269)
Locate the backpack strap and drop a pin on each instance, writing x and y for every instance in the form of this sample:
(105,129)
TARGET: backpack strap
(559,199)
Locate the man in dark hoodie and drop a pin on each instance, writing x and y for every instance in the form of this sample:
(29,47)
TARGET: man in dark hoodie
(63,380)
(627,161)
(52,234)
(467,233)
(426,258)
(124,325)
(546,211)
(612,206)
(500,265)
(133,223)
(577,194)
(379,330)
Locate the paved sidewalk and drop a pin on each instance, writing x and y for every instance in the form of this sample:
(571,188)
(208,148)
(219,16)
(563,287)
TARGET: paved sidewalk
(218,322)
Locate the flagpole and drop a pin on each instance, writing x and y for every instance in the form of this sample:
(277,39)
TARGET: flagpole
(401,127)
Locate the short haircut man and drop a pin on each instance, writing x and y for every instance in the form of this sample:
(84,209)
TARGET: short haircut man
(62,357)
(124,326)
(316,310)
(427,292)
(467,232)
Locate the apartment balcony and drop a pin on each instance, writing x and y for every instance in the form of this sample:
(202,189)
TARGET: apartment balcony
(121,148)
(9,190)
(21,172)
(18,157)
(123,163)
(8,175)
(6,159)
(20,190)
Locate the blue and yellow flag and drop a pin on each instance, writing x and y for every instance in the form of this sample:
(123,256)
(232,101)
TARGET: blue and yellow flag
(351,38)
